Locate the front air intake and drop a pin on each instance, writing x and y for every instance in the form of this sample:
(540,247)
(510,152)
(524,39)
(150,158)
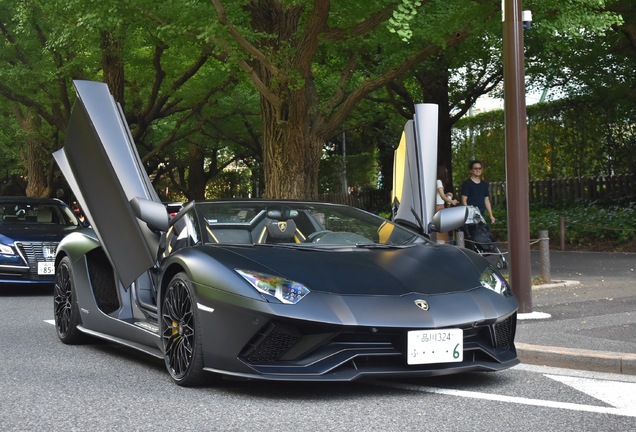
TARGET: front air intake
(503,332)
(274,340)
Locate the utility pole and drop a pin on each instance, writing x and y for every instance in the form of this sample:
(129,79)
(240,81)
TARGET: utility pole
(516,136)
(345,186)
(471,135)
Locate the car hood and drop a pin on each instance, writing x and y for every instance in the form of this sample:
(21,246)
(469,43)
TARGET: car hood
(356,271)
(103,169)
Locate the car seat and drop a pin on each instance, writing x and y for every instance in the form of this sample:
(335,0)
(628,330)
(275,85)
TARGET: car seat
(45,215)
(281,226)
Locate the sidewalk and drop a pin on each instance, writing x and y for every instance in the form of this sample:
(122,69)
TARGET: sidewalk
(586,318)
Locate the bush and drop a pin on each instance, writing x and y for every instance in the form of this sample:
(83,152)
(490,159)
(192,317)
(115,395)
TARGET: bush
(594,226)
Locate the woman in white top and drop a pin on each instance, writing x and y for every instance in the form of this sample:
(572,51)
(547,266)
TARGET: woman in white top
(443,198)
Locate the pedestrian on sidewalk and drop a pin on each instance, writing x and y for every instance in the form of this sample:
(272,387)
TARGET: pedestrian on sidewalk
(474,191)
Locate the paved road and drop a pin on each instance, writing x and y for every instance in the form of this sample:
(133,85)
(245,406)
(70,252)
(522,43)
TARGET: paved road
(54,387)
(49,386)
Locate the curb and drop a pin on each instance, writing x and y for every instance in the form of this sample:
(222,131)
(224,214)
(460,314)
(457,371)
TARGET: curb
(574,358)
(558,284)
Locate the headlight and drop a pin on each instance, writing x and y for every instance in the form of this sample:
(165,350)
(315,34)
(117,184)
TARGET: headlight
(285,290)
(494,281)
(6,250)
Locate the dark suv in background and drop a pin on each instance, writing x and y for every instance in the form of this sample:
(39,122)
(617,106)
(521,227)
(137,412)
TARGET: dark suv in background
(30,230)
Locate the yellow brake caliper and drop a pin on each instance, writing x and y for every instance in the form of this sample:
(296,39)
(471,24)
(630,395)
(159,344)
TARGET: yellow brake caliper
(175,328)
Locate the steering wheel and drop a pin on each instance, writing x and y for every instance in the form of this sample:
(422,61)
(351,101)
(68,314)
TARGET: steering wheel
(315,236)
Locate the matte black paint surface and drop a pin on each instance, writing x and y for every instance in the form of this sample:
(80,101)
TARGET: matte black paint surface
(353,323)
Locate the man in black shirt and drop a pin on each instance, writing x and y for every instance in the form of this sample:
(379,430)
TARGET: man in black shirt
(474,191)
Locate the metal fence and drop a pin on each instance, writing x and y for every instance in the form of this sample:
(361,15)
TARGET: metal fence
(547,192)
(375,201)
(569,190)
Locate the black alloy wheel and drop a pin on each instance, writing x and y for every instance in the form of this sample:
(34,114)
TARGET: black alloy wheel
(179,332)
(65,308)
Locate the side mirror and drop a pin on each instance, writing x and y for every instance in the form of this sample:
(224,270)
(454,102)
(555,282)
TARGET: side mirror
(448,219)
(152,212)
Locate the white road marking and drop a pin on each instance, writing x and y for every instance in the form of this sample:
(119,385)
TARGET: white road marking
(513,399)
(52,322)
(620,395)
(533,316)
(550,370)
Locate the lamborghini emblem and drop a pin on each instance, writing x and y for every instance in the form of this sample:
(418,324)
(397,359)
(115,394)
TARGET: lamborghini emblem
(282,226)
(422,304)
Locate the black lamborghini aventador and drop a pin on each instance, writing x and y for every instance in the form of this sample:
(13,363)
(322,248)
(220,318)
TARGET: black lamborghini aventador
(264,289)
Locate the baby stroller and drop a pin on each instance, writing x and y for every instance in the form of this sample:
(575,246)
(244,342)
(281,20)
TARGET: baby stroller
(479,238)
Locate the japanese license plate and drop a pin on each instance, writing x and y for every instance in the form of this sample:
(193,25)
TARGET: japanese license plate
(46,268)
(435,346)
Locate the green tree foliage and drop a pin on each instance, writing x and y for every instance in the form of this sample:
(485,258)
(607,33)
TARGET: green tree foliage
(371,134)
(35,102)
(473,68)
(153,57)
(586,53)
(360,167)
(567,138)
(314,61)
(580,46)
(264,84)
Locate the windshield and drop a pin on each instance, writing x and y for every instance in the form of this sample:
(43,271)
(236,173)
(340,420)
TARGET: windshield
(36,213)
(294,223)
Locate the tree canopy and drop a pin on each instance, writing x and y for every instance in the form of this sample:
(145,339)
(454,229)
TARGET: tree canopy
(219,93)
(588,129)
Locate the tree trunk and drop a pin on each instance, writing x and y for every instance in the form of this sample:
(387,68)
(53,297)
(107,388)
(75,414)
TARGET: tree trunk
(113,64)
(36,156)
(436,91)
(291,153)
(291,149)
(196,173)
(296,120)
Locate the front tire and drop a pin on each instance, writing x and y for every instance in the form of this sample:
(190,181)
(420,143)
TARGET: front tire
(65,308)
(180,333)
